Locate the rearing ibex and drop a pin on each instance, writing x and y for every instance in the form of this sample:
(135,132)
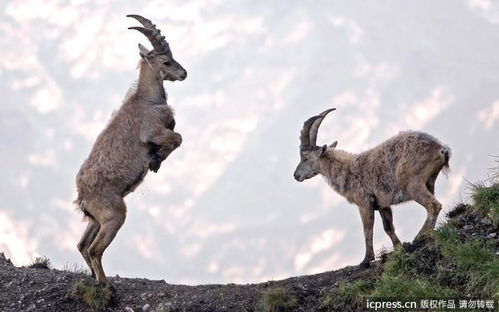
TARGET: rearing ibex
(402,168)
(135,140)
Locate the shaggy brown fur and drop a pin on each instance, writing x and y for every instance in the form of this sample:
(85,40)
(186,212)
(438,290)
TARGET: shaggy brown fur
(401,169)
(121,155)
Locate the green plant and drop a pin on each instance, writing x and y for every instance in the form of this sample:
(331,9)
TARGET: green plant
(406,286)
(476,264)
(486,201)
(278,300)
(95,295)
(347,296)
(40,263)
(399,262)
(75,268)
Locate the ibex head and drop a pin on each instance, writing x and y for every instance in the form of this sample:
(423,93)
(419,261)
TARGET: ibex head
(310,153)
(160,58)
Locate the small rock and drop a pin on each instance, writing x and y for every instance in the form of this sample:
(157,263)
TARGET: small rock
(301,286)
(491,235)
(161,294)
(486,221)
(467,227)
(128,309)
(146,307)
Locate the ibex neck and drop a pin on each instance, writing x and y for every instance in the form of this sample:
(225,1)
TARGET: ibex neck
(336,168)
(150,86)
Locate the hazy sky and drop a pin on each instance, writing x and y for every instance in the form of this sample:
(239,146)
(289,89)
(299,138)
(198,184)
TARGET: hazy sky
(224,207)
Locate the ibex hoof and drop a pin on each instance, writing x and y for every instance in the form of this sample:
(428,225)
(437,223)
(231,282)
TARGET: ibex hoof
(364,264)
(155,165)
(423,238)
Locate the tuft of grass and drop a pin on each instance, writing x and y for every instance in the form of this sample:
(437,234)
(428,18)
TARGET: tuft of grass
(470,255)
(447,235)
(95,295)
(458,210)
(473,257)
(75,268)
(488,279)
(496,170)
(399,261)
(486,201)
(407,286)
(406,274)
(278,300)
(40,263)
(347,296)
(475,262)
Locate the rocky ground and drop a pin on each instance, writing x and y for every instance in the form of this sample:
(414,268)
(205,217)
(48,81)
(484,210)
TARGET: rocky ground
(42,289)
(459,260)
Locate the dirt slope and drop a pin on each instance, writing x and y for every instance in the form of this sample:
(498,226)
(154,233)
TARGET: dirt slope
(41,289)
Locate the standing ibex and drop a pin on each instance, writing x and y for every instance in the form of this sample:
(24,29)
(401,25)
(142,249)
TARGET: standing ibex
(135,140)
(402,168)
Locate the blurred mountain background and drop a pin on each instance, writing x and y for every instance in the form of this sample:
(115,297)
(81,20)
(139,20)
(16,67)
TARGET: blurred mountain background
(224,207)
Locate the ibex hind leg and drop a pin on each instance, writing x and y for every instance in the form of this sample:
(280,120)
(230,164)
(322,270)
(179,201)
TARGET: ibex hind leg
(86,240)
(387,217)
(110,213)
(425,198)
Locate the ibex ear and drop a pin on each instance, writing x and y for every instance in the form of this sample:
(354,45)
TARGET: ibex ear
(325,148)
(323,151)
(143,51)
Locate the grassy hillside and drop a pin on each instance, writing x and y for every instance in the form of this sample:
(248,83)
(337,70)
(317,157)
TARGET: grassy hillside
(460,261)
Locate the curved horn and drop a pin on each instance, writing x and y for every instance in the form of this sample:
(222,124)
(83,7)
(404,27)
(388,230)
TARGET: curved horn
(314,128)
(144,21)
(305,132)
(151,32)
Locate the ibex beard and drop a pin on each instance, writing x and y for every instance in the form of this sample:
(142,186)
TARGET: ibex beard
(138,137)
(401,169)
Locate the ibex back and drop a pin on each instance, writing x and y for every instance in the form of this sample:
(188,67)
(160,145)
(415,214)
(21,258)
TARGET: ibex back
(402,168)
(121,155)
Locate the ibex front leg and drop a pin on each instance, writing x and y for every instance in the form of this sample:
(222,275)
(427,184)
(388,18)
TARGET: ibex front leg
(367,216)
(166,138)
(163,141)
